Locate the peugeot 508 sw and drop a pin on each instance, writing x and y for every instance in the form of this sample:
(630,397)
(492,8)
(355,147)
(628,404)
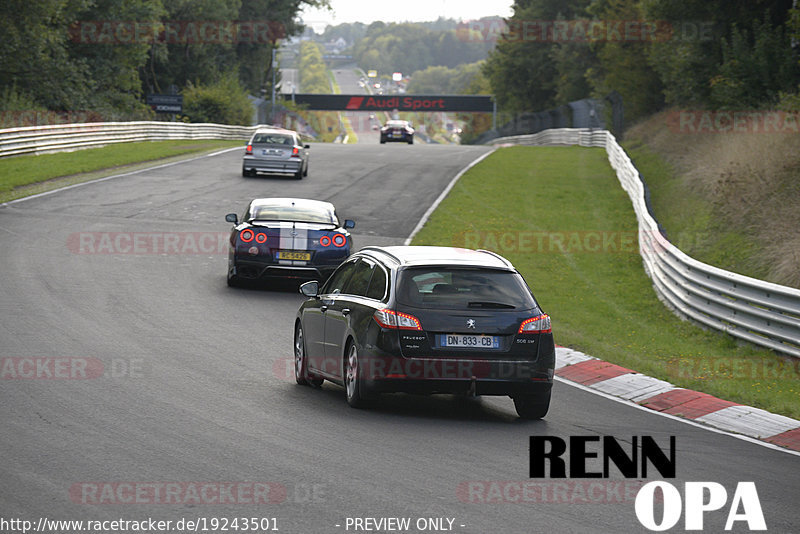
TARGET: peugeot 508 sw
(426,320)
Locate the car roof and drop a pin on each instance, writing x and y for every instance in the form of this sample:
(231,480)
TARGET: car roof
(274,129)
(304,203)
(412,256)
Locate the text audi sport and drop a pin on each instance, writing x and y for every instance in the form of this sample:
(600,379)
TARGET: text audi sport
(426,320)
(287,238)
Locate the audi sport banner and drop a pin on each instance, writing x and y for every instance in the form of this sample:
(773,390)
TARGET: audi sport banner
(392,102)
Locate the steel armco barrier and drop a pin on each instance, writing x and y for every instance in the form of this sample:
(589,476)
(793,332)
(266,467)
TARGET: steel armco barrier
(61,137)
(760,312)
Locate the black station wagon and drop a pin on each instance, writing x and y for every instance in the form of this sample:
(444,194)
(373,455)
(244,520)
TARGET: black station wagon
(426,320)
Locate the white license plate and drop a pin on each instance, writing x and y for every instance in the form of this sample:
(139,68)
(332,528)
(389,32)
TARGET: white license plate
(271,152)
(469,341)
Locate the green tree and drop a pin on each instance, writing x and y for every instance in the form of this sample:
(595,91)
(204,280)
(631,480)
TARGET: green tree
(34,56)
(622,64)
(221,102)
(523,71)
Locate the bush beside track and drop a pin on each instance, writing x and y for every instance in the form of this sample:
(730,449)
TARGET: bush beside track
(22,176)
(559,215)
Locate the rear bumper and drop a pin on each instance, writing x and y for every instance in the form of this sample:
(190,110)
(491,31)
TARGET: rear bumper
(277,167)
(474,377)
(403,139)
(248,270)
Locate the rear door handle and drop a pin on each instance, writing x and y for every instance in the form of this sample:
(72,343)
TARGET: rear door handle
(346,311)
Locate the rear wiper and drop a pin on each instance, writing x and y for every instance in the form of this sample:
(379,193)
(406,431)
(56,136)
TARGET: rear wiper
(481,304)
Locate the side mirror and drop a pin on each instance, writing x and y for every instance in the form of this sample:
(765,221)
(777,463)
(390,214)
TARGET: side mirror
(306,146)
(310,289)
(232,218)
(349,223)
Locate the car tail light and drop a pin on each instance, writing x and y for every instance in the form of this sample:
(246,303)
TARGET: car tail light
(339,240)
(249,150)
(246,235)
(261,237)
(387,318)
(536,325)
(325,241)
(295,152)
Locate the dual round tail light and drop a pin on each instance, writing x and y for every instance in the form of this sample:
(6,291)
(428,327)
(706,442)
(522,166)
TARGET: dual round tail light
(339,240)
(248,235)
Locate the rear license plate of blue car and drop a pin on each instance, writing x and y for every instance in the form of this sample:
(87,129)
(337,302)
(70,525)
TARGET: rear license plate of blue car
(469,341)
(291,255)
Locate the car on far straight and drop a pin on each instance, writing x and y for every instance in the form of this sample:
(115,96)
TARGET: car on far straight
(276,151)
(397,130)
(426,320)
(287,238)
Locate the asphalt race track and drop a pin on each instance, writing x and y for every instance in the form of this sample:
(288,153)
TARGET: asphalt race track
(189,382)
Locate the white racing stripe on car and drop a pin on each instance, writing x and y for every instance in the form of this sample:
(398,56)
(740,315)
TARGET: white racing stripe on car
(293,237)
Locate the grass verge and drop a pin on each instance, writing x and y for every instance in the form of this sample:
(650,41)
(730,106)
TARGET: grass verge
(560,215)
(22,176)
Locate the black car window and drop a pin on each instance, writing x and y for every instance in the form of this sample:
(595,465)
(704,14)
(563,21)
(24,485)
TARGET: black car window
(464,289)
(359,281)
(272,139)
(338,279)
(377,285)
(291,213)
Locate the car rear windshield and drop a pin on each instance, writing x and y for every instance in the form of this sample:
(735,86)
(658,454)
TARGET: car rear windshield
(292,214)
(463,289)
(273,139)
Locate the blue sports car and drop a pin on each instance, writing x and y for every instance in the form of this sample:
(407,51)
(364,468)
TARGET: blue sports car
(287,238)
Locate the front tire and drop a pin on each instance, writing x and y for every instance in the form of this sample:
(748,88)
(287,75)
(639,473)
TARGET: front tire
(532,405)
(301,360)
(352,378)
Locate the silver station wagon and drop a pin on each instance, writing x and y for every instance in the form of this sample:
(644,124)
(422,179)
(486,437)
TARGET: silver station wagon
(276,151)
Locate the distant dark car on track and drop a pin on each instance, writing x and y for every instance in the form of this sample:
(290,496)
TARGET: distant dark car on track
(396,130)
(426,320)
(275,151)
(287,238)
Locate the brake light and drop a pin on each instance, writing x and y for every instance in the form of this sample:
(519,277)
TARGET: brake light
(246,236)
(261,237)
(295,152)
(339,240)
(396,320)
(536,325)
(249,150)
(325,241)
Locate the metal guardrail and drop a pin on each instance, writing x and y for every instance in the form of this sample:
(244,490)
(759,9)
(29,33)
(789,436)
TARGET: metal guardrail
(61,137)
(761,312)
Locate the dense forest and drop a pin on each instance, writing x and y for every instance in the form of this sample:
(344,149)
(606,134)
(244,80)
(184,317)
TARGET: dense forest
(709,54)
(103,55)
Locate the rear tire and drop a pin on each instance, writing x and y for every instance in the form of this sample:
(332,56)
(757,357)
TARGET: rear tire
(411,141)
(299,174)
(245,173)
(233,280)
(532,405)
(383,141)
